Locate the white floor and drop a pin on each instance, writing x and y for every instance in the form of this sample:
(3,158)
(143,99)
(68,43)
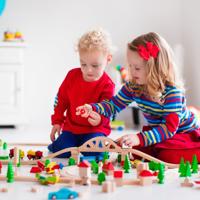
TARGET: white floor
(171,189)
(41,135)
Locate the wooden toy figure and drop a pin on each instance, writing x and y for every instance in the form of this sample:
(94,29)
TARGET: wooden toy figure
(118,177)
(85,172)
(108,186)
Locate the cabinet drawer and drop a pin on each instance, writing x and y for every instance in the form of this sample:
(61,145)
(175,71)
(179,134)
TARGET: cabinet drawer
(11,55)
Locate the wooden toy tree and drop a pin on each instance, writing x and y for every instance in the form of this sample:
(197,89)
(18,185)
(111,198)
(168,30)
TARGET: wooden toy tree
(71,161)
(4,153)
(10,173)
(154,166)
(194,164)
(47,161)
(188,169)
(105,156)
(119,158)
(95,167)
(127,164)
(101,178)
(19,159)
(161,173)
(181,165)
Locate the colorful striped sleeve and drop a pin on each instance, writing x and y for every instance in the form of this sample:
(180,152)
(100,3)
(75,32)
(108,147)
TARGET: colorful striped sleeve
(171,113)
(109,108)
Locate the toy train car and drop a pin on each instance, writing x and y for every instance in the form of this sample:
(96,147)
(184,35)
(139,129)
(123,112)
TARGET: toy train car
(34,154)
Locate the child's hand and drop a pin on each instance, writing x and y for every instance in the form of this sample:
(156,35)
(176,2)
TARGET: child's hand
(56,129)
(129,140)
(84,111)
(94,118)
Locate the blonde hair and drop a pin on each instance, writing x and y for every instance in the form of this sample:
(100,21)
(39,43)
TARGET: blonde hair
(160,70)
(96,39)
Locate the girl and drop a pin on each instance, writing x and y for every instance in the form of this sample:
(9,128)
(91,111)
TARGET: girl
(172,130)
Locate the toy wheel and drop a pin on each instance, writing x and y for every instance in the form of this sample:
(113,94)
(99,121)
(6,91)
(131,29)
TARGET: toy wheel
(29,157)
(71,196)
(53,197)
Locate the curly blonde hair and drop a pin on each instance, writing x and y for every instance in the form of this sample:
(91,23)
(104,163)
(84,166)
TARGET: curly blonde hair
(96,39)
(160,70)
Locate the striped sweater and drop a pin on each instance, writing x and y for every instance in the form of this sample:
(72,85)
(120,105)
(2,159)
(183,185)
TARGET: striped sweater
(174,103)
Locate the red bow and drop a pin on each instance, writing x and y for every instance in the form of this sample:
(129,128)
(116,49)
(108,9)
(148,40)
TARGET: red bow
(149,50)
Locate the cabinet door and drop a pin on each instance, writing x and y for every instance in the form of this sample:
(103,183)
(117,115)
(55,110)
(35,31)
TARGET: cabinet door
(11,82)
(10,91)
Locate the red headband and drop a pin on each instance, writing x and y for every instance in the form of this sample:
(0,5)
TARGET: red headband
(149,50)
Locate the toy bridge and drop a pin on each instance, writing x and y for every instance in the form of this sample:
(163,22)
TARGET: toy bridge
(98,144)
(104,144)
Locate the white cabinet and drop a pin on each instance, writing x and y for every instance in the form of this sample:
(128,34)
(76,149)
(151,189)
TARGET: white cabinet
(11,83)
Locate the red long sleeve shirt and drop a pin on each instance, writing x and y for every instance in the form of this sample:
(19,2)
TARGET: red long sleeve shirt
(74,92)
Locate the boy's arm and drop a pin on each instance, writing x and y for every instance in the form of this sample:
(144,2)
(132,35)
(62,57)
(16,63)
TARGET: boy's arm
(60,105)
(172,111)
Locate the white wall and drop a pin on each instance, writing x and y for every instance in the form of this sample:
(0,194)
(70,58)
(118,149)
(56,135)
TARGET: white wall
(191,42)
(51,29)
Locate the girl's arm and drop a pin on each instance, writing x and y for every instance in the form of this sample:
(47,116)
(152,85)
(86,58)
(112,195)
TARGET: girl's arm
(172,113)
(109,108)
(94,118)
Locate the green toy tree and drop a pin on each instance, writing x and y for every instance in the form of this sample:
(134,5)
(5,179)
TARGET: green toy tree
(188,169)
(5,154)
(19,159)
(183,171)
(71,161)
(94,167)
(127,164)
(101,178)
(119,158)
(10,173)
(47,161)
(105,157)
(161,173)
(151,165)
(194,164)
(154,166)
(181,166)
